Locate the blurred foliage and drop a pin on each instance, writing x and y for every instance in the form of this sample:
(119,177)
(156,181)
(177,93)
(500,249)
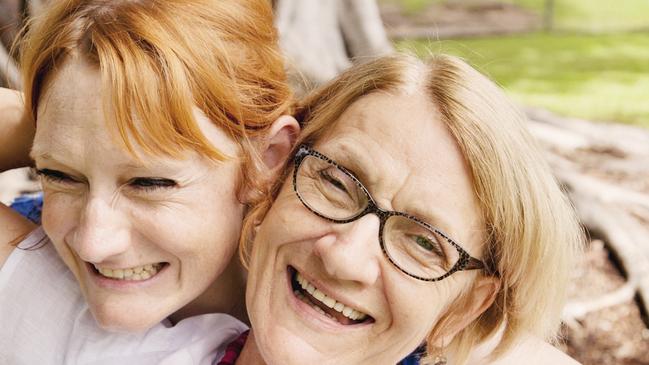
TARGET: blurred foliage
(598,77)
(590,15)
(413,6)
(580,15)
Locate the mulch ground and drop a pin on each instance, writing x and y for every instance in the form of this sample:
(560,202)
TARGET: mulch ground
(614,335)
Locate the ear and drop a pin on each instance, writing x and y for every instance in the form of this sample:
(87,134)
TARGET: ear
(279,141)
(271,151)
(477,301)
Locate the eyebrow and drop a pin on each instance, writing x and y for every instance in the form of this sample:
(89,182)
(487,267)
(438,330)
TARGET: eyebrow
(356,163)
(434,219)
(129,166)
(35,155)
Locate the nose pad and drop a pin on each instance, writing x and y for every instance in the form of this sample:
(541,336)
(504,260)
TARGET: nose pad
(352,252)
(100,234)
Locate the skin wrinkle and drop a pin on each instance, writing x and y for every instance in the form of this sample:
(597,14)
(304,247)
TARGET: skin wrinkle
(102,218)
(480,119)
(325,251)
(375,153)
(346,154)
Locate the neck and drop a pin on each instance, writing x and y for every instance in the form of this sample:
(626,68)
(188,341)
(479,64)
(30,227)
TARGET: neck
(250,353)
(225,295)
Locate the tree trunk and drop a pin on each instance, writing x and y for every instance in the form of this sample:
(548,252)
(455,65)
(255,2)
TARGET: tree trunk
(8,70)
(605,169)
(321,37)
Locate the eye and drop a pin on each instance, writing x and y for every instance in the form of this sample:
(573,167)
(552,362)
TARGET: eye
(328,176)
(151,183)
(54,176)
(429,245)
(424,243)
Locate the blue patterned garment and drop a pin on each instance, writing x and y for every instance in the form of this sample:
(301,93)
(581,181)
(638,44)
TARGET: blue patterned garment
(29,206)
(413,359)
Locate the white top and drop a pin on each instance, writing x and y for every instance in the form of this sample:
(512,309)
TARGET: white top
(45,320)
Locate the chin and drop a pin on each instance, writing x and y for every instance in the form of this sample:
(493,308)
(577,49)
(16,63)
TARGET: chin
(300,356)
(289,355)
(120,325)
(281,346)
(125,320)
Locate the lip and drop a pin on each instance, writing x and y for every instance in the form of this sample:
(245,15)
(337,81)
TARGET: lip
(124,285)
(313,317)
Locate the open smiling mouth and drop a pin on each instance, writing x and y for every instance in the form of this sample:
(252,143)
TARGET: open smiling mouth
(309,294)
(138,273)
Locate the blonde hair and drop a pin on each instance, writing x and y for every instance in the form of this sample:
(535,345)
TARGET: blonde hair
(533,234)
(160,59)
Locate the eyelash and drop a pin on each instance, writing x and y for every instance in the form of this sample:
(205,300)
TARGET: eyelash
(54,176)
(141,183)
(151,184)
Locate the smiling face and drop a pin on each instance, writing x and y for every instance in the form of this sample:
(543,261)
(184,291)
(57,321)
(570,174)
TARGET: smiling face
(143,237)
(397,147)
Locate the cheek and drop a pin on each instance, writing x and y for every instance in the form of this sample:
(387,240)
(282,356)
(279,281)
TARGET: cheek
(59,217)
(278,228)
(60,212)
(417,307)
(201,231)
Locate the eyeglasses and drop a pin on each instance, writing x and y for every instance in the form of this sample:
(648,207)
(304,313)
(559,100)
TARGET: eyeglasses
(416,248)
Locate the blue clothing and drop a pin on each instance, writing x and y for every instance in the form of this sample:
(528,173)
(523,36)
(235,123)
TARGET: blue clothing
(413,359)
(30,206)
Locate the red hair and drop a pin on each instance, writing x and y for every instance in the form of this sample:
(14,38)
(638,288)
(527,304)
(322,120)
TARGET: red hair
(160,59)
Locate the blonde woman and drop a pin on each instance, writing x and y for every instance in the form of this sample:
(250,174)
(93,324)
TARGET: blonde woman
(154,122)
(417,210)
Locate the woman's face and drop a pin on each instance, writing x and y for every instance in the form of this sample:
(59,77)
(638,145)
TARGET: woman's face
(400,150)
(143,237)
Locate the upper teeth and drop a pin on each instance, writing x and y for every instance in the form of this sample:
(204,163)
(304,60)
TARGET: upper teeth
(134,273)
(330,302)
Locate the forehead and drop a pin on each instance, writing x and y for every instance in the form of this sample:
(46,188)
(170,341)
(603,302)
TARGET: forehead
(403,132)
(72,120)
(70,110)
(404,153)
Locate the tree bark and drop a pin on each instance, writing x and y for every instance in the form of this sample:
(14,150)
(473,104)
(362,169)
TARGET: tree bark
(605,169)
(320,38)
(9,70)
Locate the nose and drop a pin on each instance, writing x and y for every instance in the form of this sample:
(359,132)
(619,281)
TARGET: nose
(101,232)
(352,253)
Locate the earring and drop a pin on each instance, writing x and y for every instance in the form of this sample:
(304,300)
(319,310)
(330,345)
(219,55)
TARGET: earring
(440,359)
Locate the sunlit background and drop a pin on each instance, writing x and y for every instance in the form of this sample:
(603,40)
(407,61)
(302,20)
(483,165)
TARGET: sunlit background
(580,65)
(580,58)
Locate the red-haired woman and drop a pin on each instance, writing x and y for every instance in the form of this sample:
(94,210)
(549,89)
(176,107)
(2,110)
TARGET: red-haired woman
(153,123)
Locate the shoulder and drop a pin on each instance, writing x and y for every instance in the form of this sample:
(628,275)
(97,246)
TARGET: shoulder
(534,351)
(13,228)
(10,101)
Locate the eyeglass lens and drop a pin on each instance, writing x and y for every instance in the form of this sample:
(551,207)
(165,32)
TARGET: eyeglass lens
(410,245)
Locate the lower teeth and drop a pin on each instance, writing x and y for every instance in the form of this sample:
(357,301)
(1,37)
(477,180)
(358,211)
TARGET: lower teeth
(300,295)
(306,300)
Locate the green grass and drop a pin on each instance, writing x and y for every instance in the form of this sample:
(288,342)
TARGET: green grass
(593,15)
(603,77)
